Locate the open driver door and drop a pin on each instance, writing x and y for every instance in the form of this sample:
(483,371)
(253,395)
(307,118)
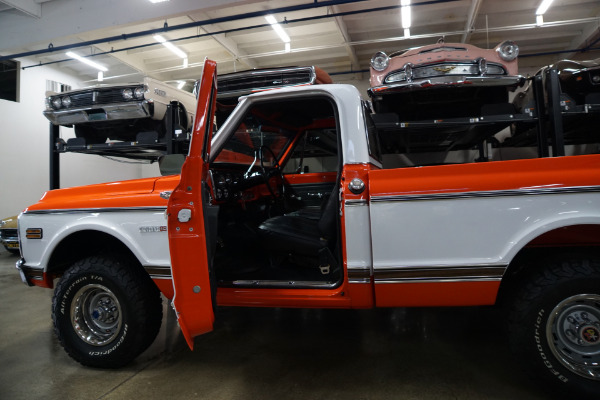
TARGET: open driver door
(192,220)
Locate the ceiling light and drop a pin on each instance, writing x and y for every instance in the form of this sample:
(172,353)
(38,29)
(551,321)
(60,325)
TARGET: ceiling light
(180,53)
(157,1)
(277,28)
(543,7)
(405,13)
(100,76)
(86,61)
(406,32)
(539,20)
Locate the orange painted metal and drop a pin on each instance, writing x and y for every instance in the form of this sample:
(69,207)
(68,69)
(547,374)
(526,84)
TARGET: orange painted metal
(165,286)
(187,240)
(436,294)
(544,173)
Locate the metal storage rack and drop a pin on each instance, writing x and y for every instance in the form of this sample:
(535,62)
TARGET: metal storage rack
(146,147)
(545,122)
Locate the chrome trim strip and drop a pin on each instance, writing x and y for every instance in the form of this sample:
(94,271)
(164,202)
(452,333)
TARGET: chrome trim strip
(359,275)
(279,284)
(159,272)
(351,203)
(95,210)
(446,81)
(491,193)
(475,273)
(113,111)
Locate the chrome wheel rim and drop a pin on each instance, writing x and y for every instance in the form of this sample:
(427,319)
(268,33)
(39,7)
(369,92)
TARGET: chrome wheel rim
(96,315)
(573,333)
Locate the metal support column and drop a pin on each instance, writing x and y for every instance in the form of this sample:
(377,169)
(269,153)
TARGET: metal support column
(54,157)
(554,113)
(540,109)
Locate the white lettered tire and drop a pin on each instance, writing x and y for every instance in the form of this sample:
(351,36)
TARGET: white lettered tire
(554,324)
(106,311)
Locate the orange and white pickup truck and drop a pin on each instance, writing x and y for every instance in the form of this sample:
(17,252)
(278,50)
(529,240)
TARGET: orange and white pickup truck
(289,205)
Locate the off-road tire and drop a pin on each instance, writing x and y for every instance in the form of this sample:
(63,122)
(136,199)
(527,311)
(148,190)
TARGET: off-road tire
(554,324)
(106,311)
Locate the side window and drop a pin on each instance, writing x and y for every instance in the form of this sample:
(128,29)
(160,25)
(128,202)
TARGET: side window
(315,151)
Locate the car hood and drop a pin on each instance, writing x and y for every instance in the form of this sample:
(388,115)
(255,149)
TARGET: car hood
(138,193)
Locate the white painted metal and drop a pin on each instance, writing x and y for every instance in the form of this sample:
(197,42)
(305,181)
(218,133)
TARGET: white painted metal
(470,231)
(138,230)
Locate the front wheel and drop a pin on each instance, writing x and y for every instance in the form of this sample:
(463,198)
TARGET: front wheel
(554,324)
(106,312)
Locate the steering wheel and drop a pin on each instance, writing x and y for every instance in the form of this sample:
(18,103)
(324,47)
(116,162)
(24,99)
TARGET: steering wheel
(275,171)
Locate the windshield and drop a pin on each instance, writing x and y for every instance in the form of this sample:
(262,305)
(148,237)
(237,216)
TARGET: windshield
(270,128)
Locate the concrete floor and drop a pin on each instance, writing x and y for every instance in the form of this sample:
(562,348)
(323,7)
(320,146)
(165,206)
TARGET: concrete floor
(456,353)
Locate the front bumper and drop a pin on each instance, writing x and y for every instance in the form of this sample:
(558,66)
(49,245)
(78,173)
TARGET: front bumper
(31,276)
(98,113)
(447,82)
(10,243)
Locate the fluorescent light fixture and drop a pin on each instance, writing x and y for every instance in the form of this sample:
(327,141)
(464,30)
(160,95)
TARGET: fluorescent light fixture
(86,61)
(288,47)
(157,1)
(185,62)
(277,28)
(543,7)
(539,20)
(170,46)
(406,32)
(405,13)
(100,76)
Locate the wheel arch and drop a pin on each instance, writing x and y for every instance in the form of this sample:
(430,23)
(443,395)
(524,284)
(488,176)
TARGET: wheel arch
(578,238)
(84,243)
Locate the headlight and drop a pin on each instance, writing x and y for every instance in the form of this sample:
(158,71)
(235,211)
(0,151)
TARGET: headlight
(66,101)
(380,61)
(139,93)
(508,50)
(127,94)
(56,103)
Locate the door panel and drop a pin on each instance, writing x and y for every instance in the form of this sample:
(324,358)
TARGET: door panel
(190,225)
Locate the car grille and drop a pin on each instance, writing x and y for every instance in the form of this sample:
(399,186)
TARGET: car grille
(261,80)
(91,97)
(8,234)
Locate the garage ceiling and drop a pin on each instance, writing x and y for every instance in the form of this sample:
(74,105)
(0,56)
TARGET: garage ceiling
(339,36)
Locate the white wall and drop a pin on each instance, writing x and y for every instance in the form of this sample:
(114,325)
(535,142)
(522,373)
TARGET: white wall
(24,148)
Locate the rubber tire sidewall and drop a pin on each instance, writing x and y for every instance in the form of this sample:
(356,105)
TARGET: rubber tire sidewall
(135,333)
(527,329)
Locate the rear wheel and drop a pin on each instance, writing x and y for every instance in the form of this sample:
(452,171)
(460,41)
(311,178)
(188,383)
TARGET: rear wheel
(554,324)
(105,311)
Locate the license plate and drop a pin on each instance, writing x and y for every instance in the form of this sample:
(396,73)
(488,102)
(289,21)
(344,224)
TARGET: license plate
(97,117)
(12,245)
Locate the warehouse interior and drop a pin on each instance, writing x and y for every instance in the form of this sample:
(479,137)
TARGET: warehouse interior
(436,353)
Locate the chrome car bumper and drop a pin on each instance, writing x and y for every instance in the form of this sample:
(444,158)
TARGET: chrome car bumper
(24,277)
(118,111)
(448,81)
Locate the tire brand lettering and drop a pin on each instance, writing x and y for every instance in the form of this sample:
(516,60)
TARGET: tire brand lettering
(68,291)
(107,352)
(540,349)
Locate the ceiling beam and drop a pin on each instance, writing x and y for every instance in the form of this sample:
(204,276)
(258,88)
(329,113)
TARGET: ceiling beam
(473,11)
(341,25)
(29,7)
(587,38)
(227,43)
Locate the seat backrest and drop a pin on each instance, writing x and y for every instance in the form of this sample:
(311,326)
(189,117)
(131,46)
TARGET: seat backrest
(326,224)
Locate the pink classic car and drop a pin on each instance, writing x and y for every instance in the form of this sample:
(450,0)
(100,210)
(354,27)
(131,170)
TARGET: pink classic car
(475,75)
